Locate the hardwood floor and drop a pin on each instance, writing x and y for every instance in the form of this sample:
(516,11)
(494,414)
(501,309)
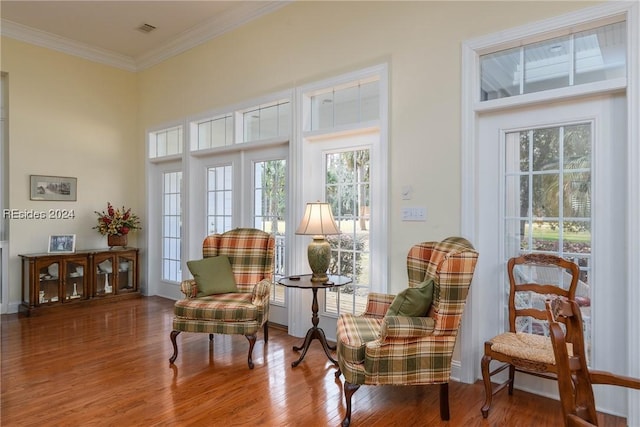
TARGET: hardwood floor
(108,365)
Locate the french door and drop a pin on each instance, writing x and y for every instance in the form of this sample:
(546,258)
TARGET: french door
(551,178)
(245,188)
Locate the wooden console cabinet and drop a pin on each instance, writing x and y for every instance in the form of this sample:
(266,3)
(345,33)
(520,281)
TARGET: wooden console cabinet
(55,280)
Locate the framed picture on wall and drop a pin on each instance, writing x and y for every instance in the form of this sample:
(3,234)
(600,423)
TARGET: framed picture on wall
(62,243)
(59,188)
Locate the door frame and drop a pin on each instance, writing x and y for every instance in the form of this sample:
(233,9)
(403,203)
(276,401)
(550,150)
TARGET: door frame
(467,369)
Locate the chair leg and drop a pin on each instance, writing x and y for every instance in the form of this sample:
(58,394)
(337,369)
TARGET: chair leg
(349,389)
(444,402)
(266,331)
(252,342)
(338,373)
(512,375)
(488,391)
(210,337)
(173,336)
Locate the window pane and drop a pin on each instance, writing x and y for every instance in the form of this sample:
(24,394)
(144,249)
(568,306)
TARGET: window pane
(517,152)
(251,121)
(269,213)
(322,111)
(204,135)
(347,106)
(165,142)
(577,195)
(546,153)
(517,196)
(268,122)
(174,141)
(162,144)
(351,104)
(545,195)
(547,65)
(600,54)
(284,119)
(219,137)
(347,191)
(559,218)
(577,146)
(172,229)
(369,101)
(500,74)
(219,199)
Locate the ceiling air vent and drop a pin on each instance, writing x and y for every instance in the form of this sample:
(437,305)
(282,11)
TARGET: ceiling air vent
(146,28)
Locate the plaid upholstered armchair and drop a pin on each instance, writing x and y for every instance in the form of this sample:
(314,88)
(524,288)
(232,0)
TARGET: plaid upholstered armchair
(390,346)
(235,300)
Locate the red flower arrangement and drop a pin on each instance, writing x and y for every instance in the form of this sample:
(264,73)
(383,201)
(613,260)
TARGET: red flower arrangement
(117,221)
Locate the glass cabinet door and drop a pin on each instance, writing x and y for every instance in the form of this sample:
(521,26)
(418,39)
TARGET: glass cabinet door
(126,269)
(104,277)
(49,282)
(74,284)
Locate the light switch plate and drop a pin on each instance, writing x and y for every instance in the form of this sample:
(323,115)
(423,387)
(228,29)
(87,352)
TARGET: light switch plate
(414,214)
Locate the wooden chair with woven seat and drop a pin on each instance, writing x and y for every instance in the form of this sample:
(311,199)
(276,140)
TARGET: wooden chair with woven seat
(574,378)
(525,347)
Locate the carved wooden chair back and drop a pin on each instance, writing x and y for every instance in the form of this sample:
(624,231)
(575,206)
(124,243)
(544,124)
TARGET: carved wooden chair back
(575,380)
(525,347)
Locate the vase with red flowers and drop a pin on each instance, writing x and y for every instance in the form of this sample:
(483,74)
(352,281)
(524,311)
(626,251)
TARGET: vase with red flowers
(116,224)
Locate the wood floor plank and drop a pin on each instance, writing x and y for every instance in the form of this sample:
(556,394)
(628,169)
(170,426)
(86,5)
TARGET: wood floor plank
(108,365)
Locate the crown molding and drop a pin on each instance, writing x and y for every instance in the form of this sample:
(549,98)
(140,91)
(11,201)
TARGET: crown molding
(189,39)
(62,44)
(208,30)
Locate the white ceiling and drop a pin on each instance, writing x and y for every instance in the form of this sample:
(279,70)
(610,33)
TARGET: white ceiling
(107,31)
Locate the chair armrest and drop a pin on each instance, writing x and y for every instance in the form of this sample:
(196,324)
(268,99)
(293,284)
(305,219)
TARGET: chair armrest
(406,327)
(261,293)
(189,288)
(602,377)
(377,304)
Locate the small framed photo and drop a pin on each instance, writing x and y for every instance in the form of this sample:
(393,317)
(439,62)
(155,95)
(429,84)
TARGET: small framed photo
(62,243)
(59,188)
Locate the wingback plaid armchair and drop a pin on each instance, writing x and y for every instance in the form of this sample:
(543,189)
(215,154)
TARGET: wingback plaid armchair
(378,349)
(251,255)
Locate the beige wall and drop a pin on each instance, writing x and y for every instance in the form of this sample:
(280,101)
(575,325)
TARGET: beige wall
(68,117)
(307,41)
(73,117)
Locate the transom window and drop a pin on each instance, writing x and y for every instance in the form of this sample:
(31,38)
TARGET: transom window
(583,57)
(265,121)
(213,133)
(355,102)
(166,142)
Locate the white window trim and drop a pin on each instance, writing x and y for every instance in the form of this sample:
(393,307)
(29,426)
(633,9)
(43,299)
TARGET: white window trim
(380,202)
(380,231)
(466,370)
(152,262)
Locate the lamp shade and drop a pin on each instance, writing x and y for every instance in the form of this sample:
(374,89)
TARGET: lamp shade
(318,220)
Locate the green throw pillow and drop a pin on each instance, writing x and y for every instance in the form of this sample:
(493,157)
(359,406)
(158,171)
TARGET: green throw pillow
(213,275)
(413,302)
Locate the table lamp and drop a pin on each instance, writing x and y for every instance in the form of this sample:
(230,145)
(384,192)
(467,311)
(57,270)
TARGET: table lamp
(318,222)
